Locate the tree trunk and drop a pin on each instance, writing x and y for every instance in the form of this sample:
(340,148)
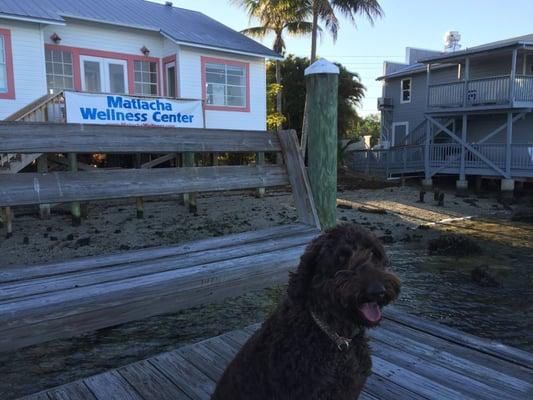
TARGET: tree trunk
(278,81)
(314,34)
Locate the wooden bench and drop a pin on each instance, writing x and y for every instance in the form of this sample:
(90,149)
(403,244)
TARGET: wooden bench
(39,303)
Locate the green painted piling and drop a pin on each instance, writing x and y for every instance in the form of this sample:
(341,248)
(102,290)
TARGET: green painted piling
(322,79)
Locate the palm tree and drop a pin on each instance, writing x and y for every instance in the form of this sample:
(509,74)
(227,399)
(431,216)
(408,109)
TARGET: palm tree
(277,17)
(324,10)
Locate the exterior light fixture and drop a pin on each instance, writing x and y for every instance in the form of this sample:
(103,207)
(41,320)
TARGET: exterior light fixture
(145,51)
(55,38)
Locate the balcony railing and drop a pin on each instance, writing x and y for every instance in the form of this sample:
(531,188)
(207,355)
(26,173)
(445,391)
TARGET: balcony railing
(490,91)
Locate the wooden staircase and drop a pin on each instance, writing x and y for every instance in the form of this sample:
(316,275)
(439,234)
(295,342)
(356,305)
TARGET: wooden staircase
(48,108)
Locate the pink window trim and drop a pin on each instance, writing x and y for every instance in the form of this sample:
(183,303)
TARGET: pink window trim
(204,89)
(169,60)
(10,94)
(129,58)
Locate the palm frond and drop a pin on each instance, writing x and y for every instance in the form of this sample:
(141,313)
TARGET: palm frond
(256,31)
(299,27)
(367,8)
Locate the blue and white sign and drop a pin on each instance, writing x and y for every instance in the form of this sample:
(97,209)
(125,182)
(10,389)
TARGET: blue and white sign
(114,109)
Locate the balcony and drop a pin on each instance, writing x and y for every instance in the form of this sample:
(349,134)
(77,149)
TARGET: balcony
(484,93)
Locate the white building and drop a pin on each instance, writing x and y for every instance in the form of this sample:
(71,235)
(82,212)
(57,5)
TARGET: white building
(131,47)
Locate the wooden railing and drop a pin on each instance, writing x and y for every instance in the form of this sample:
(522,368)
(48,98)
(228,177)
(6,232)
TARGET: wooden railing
(449,154)
(494,90)
(442,157)
(384,163)
(446,95)
(524,88)
(48,108)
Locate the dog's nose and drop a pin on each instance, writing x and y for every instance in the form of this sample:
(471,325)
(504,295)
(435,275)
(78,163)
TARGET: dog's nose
(376,290)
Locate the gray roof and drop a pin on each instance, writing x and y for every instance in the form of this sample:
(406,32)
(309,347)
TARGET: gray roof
(500,44)
(179,24)
(407,70)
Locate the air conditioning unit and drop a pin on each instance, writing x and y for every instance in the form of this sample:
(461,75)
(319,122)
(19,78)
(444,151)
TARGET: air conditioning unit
(384,103)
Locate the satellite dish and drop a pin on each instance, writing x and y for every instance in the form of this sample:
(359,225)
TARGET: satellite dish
(451,41)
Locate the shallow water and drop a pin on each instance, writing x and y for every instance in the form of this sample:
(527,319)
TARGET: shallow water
(435,287)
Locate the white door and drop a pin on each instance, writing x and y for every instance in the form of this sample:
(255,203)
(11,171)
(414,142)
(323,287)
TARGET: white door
(170,70)
(104,75)
(399,133)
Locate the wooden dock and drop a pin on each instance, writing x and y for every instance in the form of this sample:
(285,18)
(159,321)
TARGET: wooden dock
(413,359)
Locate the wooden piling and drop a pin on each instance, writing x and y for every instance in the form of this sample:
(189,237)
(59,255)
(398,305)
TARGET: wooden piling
(189,198)
(322,88)
(42,168)
(75,209)
(260,161)
(139,201)
(8,218)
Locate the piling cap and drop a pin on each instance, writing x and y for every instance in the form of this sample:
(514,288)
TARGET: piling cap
(322,66)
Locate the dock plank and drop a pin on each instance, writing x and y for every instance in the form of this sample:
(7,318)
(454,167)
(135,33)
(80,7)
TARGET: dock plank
(185,375)
(111,385)
(409,362)
(150,383)
(463,364)
(76,390)
(491,347)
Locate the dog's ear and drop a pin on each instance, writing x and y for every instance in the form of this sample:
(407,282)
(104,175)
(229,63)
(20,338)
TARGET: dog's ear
(300,280)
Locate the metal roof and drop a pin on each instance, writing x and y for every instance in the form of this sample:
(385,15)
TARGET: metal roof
(512,42)
(178,24)
(408,70)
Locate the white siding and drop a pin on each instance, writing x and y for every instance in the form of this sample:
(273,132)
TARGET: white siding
(30,77)
(104,37)
(190,83)
(28,65)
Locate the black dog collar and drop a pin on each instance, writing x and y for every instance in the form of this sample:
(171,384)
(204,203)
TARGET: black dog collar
(342,342)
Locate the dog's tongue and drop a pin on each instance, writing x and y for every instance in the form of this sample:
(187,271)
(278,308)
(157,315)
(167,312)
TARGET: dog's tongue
(371,311)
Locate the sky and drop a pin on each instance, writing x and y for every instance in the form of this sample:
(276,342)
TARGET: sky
(407,23)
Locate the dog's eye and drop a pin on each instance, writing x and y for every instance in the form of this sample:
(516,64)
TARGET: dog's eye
(343,255)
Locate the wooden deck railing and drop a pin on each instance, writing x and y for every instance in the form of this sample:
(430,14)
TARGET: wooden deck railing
(442,157)
(490,91)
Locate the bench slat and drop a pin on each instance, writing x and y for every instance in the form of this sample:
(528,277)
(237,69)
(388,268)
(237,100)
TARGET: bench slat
(65,187)
(21,272)
(115,273)
(23,137)
(71,312)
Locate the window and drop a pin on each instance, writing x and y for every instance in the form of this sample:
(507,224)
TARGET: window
(7,84)
(59,72)
(225,84)
(145,77)
(406,91)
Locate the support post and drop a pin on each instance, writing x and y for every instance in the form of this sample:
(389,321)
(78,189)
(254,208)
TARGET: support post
(427,172)
(42,168)
(8,213)
(508,142)
(512,83)
(260,161)
(466,78)
(75,209)
(214,159)
(189,199)
(428,77)
(322,81)
(139,201)
(462,174)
